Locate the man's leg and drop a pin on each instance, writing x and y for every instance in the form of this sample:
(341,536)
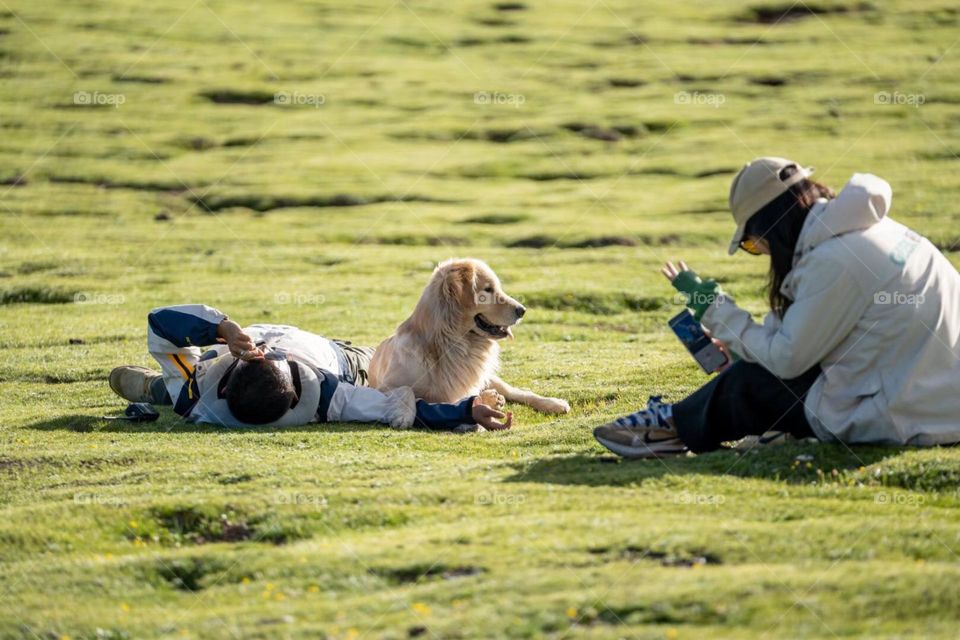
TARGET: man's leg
(139,384)
(746,399)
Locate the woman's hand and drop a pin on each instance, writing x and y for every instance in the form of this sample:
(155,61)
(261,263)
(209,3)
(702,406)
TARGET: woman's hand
(490,418)
(699,293)
(723,349)
(670,272)
(240,344)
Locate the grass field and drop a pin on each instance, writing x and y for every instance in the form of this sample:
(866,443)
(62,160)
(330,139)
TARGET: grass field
(308,162)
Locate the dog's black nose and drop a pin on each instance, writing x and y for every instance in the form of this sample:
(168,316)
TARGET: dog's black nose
(520,311)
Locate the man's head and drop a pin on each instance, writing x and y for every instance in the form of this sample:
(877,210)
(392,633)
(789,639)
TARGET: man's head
(258,392)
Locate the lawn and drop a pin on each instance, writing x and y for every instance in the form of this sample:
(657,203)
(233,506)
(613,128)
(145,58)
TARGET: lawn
(309,162)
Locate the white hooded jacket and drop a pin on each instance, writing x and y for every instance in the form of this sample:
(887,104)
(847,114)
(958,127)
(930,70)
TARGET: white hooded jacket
(878,307)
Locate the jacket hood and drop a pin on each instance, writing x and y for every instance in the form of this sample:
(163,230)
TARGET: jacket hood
(863,202)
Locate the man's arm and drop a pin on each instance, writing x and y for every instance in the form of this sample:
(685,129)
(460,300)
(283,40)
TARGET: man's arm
(399,408)
(174,337)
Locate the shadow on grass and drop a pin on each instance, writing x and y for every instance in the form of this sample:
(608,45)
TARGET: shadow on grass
(774,463)
(171,423)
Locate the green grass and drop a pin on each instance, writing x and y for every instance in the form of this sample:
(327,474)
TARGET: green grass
(574,146)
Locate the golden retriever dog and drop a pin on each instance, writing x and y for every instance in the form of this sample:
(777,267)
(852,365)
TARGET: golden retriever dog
(447,349)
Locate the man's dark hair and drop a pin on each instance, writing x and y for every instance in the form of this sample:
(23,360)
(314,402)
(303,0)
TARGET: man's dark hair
(257,393)
(780,223)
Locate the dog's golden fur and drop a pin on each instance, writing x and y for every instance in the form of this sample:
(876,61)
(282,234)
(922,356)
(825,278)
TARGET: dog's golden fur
(447,349)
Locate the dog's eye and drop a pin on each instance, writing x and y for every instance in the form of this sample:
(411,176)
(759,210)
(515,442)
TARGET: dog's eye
(489,289)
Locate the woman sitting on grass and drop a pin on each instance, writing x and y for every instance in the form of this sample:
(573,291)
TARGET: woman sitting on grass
(862,343)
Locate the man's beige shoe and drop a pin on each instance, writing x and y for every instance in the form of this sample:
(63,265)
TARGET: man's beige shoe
(134,383)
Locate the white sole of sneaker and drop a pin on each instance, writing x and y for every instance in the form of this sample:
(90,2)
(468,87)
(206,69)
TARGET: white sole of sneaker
(653,451)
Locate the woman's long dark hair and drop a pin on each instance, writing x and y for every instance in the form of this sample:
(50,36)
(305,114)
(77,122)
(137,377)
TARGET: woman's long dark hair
(779,223)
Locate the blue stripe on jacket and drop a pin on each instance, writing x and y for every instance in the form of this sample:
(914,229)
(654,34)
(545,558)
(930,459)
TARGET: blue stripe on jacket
(328,385)
(442,416)
(182,329)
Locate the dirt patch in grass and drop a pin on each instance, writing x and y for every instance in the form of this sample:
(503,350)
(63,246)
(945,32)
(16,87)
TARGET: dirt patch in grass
(710,42)
(15,464)
(539,241)
(626,83)
(781,12)
(769,81)
(14,181)
(236,96)
(263,203)
(137,185)
(204,524)
(497,218)
(686,612)
(680,558)
(507,39)
(496,21)
(611,133)
(415,573)
(548,176)
(200,525)
(416,241)
(602,241)
(35,295)
(544,241)
(140,79)
(510,6)
(189,574)
(605,303)
(504,135)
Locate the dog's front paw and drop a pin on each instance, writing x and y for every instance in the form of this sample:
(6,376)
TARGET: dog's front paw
(492,399)
(553,405)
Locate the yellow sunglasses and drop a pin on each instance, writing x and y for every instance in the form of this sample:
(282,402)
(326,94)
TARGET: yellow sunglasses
(751,247)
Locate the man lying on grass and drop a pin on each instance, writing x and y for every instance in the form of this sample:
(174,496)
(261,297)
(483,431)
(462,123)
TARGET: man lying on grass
(274,375)
(862,342)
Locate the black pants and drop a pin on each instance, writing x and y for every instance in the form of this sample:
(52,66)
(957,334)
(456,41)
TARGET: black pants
(744,400)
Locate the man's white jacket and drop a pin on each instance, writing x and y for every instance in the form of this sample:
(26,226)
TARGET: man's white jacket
(878,308)
(183,340)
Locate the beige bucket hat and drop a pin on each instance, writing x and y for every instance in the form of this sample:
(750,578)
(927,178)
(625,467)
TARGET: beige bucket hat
(756,185)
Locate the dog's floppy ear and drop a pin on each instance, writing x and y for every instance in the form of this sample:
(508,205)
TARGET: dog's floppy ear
(459,282)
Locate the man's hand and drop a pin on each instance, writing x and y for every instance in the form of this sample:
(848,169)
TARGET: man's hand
(490,418)
(241,345)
